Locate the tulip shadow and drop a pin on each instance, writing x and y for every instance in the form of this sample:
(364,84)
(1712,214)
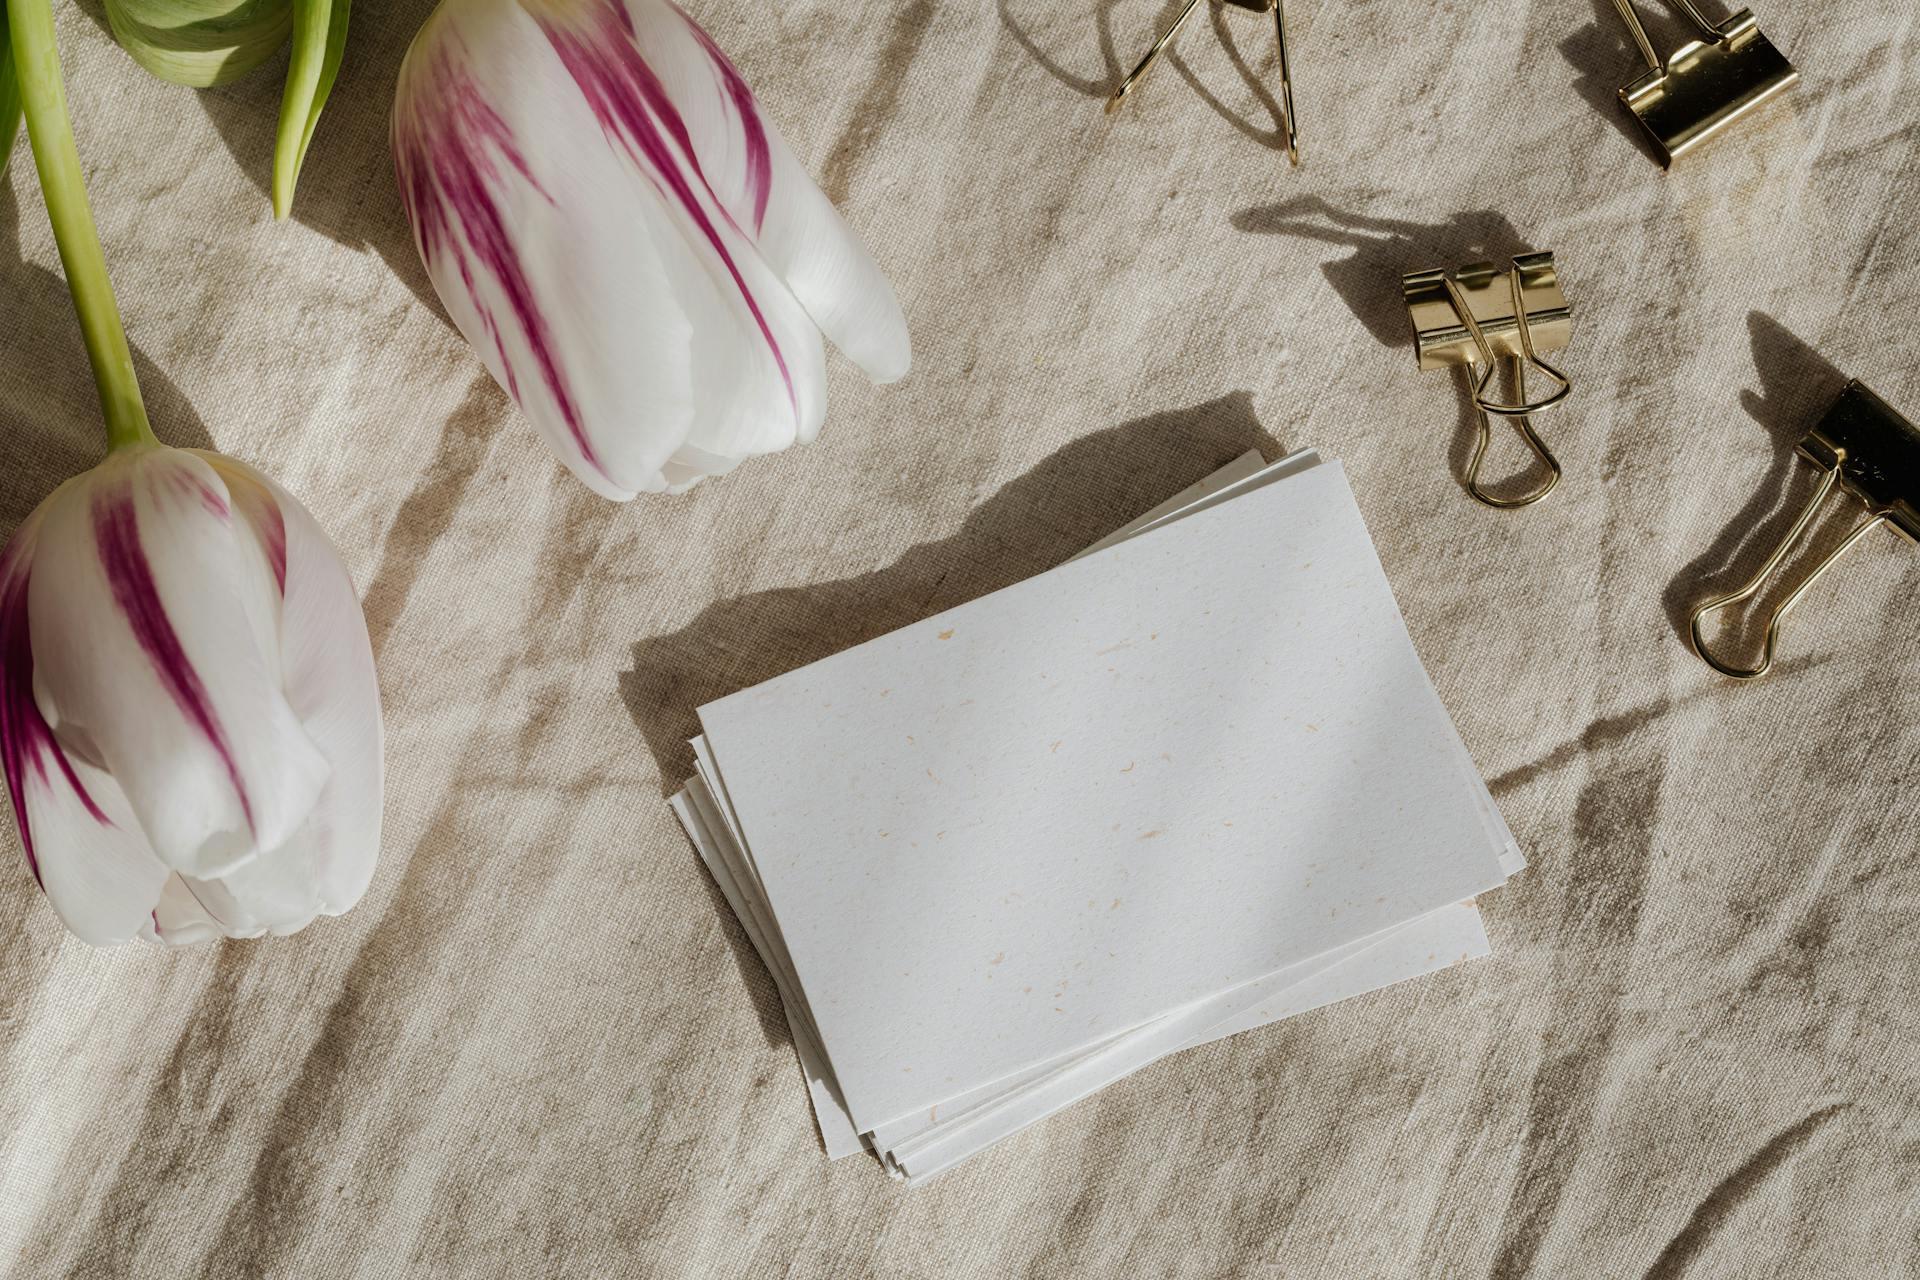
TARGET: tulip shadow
(1796,386)
(1069,501)
(347,190)
(40,345)
(1273,136)
(428,511)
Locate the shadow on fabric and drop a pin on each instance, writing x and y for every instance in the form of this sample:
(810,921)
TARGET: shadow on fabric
(347,189)
(43,335)
(1069,501)
(1384,249)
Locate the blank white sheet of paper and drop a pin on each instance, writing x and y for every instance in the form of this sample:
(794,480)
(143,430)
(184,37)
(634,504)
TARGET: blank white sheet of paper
(1013,831)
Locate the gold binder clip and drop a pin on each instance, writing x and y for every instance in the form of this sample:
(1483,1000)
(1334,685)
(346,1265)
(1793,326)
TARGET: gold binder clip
(1707,84)
(1278,9)
(1477,314)
(1869,451)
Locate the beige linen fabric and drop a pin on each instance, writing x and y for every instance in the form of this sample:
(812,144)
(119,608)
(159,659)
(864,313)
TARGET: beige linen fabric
(541,1048)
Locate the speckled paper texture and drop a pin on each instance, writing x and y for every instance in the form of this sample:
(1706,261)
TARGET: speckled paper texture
(1026,825)
(923,1145)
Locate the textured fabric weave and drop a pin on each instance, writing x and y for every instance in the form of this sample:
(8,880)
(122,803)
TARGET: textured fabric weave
(541,1047)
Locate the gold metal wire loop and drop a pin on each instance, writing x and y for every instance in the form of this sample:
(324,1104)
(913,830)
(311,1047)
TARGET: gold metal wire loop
(1153,56)
(1485,348)
(1521,411)
(1534,442)
(1286,83)
(1639,30)
(1278,9)
(1772,639)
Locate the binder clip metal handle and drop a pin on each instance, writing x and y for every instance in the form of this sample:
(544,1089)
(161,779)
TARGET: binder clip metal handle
(1639,30)
(1707,84)
(1279,11)
(1526,355)
(1533,442)
(1865,448)
(1465,317)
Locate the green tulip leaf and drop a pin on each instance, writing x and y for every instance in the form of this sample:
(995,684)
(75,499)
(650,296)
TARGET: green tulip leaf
(200,43)
(319,42)
(9,93)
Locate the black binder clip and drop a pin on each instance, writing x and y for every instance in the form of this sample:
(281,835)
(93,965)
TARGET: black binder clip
(1872,453)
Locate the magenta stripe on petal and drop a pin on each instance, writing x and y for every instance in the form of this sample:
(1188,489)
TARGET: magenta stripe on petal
(752,127)
(447,171)
(26,740)
(261,512)
(633,105)
(273,528)
(186,484)
(116,529)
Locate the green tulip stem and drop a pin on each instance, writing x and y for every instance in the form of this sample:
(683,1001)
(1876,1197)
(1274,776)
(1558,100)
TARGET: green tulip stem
(50,131)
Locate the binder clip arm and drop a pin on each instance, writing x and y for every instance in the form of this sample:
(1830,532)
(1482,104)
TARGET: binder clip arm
(1865,448)
(1278,9)
(1639,29)
(1759,579)
(1533,442)
(1119,95)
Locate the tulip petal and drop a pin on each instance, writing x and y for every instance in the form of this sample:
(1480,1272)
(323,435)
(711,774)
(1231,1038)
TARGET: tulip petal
(156,634)
(768,191)
(95,866)
(601,279)
(326,662)
(569,348)
(82,842)
(772,388)
(246,902)
(181,919)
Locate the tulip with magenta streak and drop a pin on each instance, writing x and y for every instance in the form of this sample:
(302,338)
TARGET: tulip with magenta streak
(626,241)
(190,724)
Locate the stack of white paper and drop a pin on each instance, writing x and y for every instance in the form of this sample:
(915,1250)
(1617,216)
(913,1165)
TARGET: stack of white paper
(1190,783)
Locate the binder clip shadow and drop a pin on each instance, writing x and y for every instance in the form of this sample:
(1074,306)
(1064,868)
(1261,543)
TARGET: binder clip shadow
(1479,314)
(1867,450)
(1275,7)
(1707,84)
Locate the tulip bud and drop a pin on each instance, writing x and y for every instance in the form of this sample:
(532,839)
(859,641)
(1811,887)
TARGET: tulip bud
(189,719)
(200,43)
(625,239)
